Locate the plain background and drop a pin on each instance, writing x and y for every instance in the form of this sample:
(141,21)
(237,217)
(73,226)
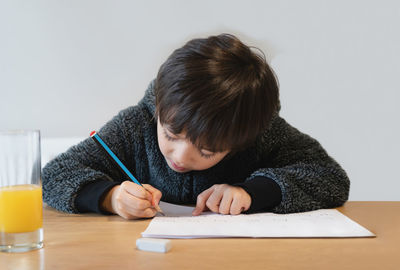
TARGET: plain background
(67,67)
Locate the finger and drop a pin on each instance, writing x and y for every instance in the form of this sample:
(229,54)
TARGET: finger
(225,204)
(149,212)
(138,208)
(237,206)
(214,200)
(136,190)
(155,193)
(125,215)
(201,201)
(146,213)
(130,202)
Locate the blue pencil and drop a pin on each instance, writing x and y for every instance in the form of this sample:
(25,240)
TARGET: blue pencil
(117,161)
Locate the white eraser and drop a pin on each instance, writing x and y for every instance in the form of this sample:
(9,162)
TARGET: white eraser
(153,244)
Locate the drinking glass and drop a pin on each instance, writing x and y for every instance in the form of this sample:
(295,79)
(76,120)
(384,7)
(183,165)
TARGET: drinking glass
(21,209)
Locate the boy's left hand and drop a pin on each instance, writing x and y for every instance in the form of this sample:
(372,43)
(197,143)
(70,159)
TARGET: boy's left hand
(224,199)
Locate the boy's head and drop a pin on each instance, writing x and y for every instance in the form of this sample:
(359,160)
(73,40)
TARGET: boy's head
(215,95)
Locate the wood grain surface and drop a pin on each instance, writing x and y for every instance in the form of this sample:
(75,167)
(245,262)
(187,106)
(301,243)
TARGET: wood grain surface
(91,241)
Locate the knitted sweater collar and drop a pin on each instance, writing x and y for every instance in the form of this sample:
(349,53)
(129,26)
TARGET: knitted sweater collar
(149,99)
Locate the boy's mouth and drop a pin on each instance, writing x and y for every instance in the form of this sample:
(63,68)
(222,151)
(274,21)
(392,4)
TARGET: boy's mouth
(176,167)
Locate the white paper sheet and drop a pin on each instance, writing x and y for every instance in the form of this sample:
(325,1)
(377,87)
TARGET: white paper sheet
(175,210)
(179,223)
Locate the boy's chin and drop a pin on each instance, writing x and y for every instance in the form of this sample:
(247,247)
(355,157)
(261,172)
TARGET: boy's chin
(185,171)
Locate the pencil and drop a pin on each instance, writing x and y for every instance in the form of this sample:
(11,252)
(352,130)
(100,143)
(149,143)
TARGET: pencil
(118,162)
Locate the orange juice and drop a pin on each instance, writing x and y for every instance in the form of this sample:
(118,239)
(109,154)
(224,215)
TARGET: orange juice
(20,208)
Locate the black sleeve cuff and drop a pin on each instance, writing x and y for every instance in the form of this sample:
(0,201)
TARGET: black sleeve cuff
(265,194)
(90,196)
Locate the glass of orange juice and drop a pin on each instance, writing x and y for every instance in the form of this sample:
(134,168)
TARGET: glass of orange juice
(21,210)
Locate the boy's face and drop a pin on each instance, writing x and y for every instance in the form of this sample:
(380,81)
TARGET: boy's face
(183,156)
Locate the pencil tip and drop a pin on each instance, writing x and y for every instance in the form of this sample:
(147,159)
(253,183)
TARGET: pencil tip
(159,210)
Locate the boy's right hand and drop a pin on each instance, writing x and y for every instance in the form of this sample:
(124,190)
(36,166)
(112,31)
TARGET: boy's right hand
(132,201)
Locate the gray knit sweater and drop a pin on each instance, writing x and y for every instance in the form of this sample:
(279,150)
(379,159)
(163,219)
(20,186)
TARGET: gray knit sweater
(309,179)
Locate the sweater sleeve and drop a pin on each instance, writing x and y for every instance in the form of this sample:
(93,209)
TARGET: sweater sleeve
(89,197)
(308,177)
(85,164)
(265,194)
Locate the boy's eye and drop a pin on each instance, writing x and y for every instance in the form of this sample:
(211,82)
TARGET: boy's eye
(206,155)
(169,138)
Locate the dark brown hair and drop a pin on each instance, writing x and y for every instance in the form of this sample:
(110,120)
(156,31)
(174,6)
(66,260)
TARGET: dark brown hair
(218,91)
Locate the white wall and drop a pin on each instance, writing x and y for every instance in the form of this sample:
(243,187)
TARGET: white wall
(66,67)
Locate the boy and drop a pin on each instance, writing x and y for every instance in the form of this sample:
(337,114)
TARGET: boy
(207,132)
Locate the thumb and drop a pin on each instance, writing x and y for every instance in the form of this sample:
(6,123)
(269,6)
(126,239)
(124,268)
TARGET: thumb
(155,193)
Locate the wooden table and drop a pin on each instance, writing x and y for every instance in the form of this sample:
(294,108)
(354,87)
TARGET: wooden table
(108,242)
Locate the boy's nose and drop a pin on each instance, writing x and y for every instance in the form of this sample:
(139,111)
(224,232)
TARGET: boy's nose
(182,155)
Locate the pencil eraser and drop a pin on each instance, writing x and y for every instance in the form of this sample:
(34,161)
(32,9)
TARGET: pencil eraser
(153,244)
